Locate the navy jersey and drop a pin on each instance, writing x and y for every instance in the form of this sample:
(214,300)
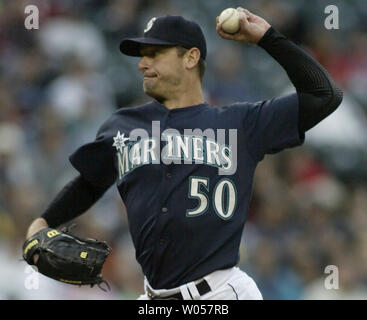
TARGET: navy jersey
(185,176)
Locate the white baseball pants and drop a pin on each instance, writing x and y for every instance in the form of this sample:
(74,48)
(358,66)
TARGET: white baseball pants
(228,284)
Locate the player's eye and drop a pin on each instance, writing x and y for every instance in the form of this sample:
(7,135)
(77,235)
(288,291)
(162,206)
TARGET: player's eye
(151,53)
(157,52)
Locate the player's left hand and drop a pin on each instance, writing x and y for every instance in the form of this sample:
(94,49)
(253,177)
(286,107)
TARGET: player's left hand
(252,28)
(67,258)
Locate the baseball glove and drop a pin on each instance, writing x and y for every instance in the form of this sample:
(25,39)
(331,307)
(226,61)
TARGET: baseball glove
(67,258)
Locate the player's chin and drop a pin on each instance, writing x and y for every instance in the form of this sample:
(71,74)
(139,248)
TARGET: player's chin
(149,90)
(148,86)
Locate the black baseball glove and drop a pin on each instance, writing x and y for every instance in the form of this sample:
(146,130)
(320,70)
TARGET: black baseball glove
(67,258)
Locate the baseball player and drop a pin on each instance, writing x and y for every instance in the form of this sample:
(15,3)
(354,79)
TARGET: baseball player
(187,193)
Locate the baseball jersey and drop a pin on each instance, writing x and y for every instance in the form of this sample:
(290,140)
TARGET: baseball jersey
(186,176)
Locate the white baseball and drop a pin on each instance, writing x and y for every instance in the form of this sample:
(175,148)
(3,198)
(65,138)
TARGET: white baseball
(229,19)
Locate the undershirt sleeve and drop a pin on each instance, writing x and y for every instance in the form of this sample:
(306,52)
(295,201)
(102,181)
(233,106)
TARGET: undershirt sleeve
(318,94)
(73,200)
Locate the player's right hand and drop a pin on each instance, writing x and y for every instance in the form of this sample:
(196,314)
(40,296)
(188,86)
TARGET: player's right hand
(37,225)
(252,28)
(35,258)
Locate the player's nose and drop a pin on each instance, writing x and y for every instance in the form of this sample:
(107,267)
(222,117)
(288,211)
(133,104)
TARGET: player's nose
(143,64)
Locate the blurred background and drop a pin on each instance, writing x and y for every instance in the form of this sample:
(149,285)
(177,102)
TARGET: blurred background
(59,83)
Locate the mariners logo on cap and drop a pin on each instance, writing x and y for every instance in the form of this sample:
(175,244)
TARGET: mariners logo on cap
(150,24)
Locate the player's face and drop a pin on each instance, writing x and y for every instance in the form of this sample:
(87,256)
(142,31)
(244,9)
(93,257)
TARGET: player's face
(162,69)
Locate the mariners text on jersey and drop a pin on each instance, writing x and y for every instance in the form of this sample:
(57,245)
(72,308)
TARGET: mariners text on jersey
(179,149)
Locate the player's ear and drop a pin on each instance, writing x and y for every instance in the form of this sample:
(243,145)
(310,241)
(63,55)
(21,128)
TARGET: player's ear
(191,58)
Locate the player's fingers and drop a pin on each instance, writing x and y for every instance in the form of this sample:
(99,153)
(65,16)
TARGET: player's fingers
(250,14)
(243,20)
(222,33)
(240,9)
(35,258)
(218,26)
(251,17)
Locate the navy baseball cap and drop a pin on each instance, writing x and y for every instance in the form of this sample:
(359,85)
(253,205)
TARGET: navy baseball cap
(167,31)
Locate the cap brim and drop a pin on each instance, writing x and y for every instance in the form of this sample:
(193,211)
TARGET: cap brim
(131,47)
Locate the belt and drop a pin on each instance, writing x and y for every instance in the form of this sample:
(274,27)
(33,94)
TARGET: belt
(202,287)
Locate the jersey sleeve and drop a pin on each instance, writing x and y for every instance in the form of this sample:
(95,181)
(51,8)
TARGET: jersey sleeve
(95,160)
(272,125)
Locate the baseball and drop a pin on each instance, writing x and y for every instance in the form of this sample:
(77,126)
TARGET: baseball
(229,19)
